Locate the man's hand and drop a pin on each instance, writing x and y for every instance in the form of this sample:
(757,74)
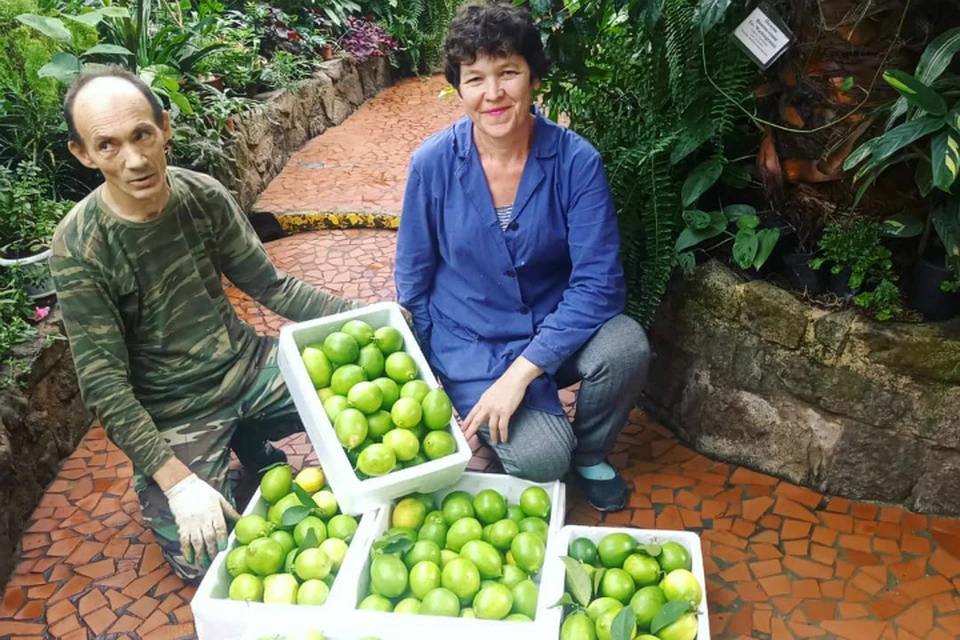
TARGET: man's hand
(498,403)
(198,510)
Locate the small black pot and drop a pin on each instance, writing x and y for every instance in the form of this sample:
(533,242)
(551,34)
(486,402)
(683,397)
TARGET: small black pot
(799,273)
(927,297)
(839,283)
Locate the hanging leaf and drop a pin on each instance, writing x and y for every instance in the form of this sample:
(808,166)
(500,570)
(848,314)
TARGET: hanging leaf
(923,176)
(901,226)
(292,516)
(953,118)
(690,238)
(565,600)
(668,614)
(735,175)
(696,219)
(396,544)
(916,92)
(696,127)
(735,211)
(688,263)
(745,248)
(711,13)
(700,179)
(64,67)
(933,62)
(624,625)
(309,541)
(647,11)
(597,580)
(750,221)
(946,222)
(945,159)
(892,141)
(305,497)
(91,19)
(50,27)
(181,101)
(577,580)
(767,240)
(108,49)
(115,12)
(847,84)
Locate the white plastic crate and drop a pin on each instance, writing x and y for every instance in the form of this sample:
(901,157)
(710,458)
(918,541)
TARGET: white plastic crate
(554,572)
(219,618)
(354,495)
(396,626)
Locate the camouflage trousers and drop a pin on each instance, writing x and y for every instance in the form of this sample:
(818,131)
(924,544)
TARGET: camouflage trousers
(264,411)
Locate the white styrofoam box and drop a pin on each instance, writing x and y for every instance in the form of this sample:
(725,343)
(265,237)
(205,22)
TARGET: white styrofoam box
(395,626)
(554,572)
(219,618)
(354,495)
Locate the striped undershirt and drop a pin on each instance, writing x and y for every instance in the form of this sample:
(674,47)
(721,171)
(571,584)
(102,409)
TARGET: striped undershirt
(504,214)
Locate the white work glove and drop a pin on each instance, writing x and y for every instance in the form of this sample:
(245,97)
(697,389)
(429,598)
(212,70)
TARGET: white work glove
(198,511)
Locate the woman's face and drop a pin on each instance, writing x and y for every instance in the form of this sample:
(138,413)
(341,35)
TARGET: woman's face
(497,93)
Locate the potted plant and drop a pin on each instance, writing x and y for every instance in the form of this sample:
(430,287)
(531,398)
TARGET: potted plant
(28,216)
(856,256)
(928,138)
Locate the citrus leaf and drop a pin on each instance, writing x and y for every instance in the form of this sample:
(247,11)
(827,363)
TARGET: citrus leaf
(50,27)
(767,239)
(108,49)
(735,211)
(916,92)
(696,219)
(578,580)
(623,625)
(271,466)
(667,615)
(293,515)
(397,544)
(597,580)
(652,549)
(305,497)
(750,221)
(700,179)
(945,159)
(310,540)
(564,601)
(745,248)
(847,84)
(901,226)
(933,62)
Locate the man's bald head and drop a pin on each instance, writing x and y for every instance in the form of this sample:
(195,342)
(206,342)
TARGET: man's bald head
(107,84)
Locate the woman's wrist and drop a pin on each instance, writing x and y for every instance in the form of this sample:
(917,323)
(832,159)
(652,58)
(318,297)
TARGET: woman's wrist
(523,372)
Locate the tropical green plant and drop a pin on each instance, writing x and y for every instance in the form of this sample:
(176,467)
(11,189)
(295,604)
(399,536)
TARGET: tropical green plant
(634,78)
(857,248)
(883,302)
(286,71)
(29,212)
(752,245)
(418,26)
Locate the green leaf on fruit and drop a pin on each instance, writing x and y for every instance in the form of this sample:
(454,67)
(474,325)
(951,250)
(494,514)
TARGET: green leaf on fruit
(310,540)
(668,614)
(578,580)
(292,516)
(305,497)
(624,624)
(652,549)
(565,600)
(397,544)
(271,466)
(597,579)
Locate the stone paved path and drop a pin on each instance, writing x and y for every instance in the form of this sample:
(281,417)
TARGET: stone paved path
(782,561)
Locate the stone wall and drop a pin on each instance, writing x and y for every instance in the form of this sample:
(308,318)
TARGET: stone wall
(42,420)
(747,372)
(269,136)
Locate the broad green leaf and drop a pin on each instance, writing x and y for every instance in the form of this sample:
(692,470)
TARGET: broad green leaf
(64,67)
(690,238)
(597,580)
(668,614)
(115,12)
(767,240)
(711,12)
(735,211)
(923,176)
(945,159)
(624,625)
(294,515)
(916,92)
(578,580)
(933,62)
(91,19)
(901,226)
(847,84)
(647,11)
(564,601)
(181,101)
(305,497)
(700,179)
(860,154)
(892,141)
(745,248)
(696,219)
(108,49)
(51,27)
(309,541)
(735,175)
(946,222)
(751,221)
(696,127)
(688,263)
(953,118)
(652,549)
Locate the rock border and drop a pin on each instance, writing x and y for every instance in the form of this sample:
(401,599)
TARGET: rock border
(748,373)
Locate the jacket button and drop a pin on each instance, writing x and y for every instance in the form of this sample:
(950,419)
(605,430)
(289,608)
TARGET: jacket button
(510,273)
(524,309)
(513,226)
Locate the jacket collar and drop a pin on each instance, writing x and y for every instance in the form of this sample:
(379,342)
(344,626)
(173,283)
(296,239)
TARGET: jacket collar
(546,136)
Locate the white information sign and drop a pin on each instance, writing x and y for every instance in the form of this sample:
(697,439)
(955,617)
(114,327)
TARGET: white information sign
(763,36)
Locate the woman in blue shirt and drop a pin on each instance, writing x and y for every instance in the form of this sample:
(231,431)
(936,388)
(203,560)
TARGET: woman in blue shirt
(508,260)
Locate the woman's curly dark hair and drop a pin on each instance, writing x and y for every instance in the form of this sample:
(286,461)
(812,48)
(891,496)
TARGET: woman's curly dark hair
(494,29)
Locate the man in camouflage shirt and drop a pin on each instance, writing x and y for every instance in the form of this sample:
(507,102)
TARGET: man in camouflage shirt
(174,376)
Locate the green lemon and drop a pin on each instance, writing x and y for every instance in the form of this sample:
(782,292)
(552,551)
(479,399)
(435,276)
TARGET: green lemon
(438,444)
(434,531)
(237,562)
(408,605)
(577,626)
(515,513)
(371,361)
(615,548)
(390,390)
(425,576)
(276,483)
(537,526)
(401,368)
(404,444)
(605,622)
(246,587)
(489,506)
(313,592)
(512,575)
(422,551)
(375,602)
(416,389)
(251,527)
(325,394)
(493,602)
(440,602)
(525,596)
(642,568)
(528,551)
(599,605)
(584,550)
(388,339)
(406,413)
(341,348)
(275,513)
(326,504)
(359,331)
(365,396)
(377,460)
(310,523)
(685,628)
(379,424)
(312,564)
(351,427)
(463,531)
(336,550)
(318,366)
(342,527)
(409,513)
(535,502)
(264,556)
(286,540)
(462,578)
(334,406)
(388,576)
(680,584)
(674,555)
(617,584)
(482,554)
(437,409)
(345,377)
(645,603)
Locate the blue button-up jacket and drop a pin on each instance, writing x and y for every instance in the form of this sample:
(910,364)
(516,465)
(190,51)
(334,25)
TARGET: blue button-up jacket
(481,296)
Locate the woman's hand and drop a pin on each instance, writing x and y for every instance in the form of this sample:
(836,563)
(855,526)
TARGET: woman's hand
(498,403)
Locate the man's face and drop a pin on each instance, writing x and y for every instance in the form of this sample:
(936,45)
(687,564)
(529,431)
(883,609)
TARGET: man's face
(122,140)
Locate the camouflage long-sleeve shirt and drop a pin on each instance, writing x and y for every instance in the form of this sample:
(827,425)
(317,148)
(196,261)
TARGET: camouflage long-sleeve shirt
(153,335)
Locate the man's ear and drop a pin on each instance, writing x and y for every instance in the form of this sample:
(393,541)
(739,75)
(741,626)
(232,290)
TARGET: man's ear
(80,153)
(167,133)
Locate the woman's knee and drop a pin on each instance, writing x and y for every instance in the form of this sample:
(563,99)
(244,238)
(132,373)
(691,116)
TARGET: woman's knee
(625,349)
(547,463)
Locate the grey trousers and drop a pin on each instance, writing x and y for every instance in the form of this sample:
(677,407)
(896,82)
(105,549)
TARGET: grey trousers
(612,369)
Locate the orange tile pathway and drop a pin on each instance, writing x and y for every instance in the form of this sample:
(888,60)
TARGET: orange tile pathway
(782,561)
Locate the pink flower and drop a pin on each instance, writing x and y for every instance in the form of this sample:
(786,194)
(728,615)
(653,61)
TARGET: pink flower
(39,313)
